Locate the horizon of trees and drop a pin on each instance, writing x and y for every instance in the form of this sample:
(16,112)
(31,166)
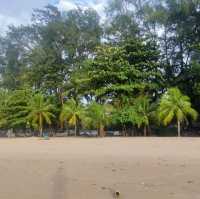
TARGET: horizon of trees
(137,70)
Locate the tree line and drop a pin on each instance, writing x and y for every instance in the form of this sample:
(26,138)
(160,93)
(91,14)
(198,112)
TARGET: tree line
(134,70)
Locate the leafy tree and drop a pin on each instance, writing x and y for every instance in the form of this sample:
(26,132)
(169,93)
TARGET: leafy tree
(143,112)
(121,22)
(124,116)
(137,112)
(64,41)
(39,111)
(175,23)
(99,116)
(72,112)
(14,48)
(127,70)
(175,105)
(4,96)
(15,108)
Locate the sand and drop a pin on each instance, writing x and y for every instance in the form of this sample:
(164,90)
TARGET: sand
(95,168)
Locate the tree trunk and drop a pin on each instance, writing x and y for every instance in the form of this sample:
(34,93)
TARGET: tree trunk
(145,131)
(149,131)
(101,131)
(41,132)
(62,125)
(40,125)
(75,129)
(123,131)
(179,128)
(61,99)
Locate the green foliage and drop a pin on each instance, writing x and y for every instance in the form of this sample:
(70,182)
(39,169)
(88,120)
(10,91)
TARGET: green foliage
(121,22)
(138,112)
(127,70)
(39,111)
(175,105)
(143,111)
(99,114)
(15,110)
(140,48)
(72,112)
(4,95)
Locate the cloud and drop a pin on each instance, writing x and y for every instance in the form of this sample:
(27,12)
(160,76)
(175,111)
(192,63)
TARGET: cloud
(98,5)
(5,21)
(14,8)
(18,12)
(66,5)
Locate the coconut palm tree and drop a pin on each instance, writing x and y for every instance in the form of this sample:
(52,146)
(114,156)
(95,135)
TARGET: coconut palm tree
(72,112)
(175,105)
(39,112)
(100,115)
(143,112)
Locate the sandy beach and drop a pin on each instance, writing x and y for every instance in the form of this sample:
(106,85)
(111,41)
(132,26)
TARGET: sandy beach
(83,168)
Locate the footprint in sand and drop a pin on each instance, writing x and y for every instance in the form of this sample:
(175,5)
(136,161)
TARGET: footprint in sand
(103,188)
(190,181)
(59,183)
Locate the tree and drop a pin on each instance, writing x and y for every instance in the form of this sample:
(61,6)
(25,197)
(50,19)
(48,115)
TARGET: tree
(72,112)
(15,108)
(143,112)
(39,112)
(64,40)
(100,115)
(135,112)
(4,98)
(175,24)
(120,23)
(127,70)
(175,105)
(14,48)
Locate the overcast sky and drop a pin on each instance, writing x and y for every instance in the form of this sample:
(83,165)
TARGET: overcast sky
(19,11)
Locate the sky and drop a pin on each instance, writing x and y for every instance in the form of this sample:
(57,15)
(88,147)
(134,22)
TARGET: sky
(19,11)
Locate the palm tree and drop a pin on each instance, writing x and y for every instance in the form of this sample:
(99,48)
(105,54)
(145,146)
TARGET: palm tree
(40,111)
(100,115)
(175,105)
(143,112)
(72,112)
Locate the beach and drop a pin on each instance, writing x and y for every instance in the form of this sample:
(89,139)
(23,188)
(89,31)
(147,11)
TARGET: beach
(97,168)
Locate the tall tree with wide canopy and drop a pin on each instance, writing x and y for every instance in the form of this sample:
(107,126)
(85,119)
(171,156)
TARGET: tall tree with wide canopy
(120,23)
(64,41)
(127,70)
(14,49)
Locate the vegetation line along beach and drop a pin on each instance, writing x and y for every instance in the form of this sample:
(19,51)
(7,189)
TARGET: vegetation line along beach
(131,70)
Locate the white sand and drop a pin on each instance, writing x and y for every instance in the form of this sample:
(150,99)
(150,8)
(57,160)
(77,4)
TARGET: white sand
(83,168)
